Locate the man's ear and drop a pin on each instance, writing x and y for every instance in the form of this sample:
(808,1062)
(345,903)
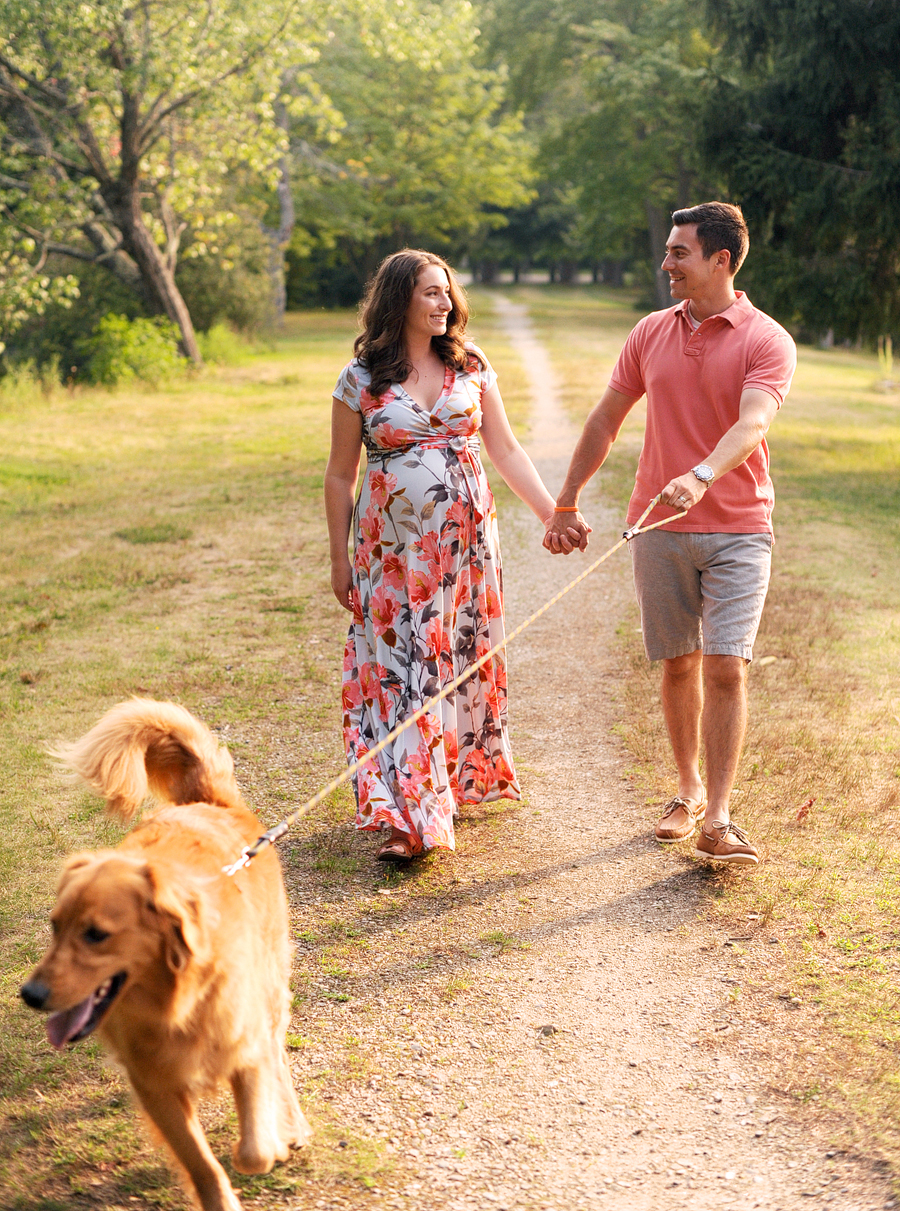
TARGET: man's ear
(180,911)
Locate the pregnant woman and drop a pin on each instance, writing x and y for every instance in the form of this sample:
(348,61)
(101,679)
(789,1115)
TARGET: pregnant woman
(424,584)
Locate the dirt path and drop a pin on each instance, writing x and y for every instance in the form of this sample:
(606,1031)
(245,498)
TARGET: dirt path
(563,1034)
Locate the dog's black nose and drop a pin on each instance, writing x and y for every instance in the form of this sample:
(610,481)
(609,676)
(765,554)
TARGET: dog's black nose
(35,994)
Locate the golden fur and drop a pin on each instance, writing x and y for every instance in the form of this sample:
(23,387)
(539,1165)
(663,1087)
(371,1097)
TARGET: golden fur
(186,968)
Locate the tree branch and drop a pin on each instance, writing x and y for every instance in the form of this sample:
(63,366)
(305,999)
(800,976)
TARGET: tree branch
(53,94)
(150,124)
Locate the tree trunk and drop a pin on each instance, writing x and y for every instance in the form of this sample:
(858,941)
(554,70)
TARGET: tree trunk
(658,227)
(568,272)
(157,277)
(280,237)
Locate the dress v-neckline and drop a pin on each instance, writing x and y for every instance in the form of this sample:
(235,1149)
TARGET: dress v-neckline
(448,377)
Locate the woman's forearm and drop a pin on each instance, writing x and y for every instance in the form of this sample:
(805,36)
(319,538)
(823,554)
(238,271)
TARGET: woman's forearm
(338,514)
(340,478)
(520,475)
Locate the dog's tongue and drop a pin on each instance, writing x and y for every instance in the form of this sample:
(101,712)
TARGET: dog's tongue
(65,1025)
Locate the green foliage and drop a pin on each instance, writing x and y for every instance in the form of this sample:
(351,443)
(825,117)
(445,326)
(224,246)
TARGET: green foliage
(25,288)
(25,383)
(232,286)
(122,350)
(805,123)
(61,334)
(424,153)
(613,88)
(220,345)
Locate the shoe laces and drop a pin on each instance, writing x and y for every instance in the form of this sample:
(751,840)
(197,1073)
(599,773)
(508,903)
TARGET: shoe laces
(730,827)
(672,806)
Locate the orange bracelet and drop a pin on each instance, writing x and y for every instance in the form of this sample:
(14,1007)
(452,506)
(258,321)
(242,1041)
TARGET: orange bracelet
(565,509)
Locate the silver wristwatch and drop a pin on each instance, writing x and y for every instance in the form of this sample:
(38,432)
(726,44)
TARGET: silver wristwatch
(704,473)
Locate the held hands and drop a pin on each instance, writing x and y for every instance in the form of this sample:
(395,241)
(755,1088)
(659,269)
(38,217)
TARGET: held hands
(683,492)
(566,532)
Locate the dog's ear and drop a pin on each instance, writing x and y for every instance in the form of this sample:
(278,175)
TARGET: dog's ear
(72,864)
(179,908)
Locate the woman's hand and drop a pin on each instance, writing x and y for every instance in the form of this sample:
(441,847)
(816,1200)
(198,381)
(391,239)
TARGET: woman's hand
(565,533)
(342,583)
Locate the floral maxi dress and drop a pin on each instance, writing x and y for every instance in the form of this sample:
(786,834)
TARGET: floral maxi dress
(427,602)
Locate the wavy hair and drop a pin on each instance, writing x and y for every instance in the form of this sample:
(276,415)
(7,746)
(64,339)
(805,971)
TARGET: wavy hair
(380,347)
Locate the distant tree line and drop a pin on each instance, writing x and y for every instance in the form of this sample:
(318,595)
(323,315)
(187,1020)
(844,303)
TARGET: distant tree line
(223,163)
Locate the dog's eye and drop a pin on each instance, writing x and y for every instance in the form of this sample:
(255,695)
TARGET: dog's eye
(94,936)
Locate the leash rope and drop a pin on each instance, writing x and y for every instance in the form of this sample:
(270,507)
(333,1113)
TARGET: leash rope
(271,835)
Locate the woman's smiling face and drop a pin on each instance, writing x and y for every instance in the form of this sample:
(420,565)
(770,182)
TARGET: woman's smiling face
(430,305)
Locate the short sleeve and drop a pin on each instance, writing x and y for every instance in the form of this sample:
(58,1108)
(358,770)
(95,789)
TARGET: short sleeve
(772,366)
(487,375)
(627,376)
(347,388)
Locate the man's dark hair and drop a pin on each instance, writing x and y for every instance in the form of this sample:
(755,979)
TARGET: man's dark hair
(719,225)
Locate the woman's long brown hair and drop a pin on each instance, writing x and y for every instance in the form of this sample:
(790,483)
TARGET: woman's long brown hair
(380,345)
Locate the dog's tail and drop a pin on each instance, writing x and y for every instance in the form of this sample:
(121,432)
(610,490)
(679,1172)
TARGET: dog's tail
(142,747)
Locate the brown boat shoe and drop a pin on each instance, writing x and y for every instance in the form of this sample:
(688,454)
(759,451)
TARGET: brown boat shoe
(725,843)
(679,819)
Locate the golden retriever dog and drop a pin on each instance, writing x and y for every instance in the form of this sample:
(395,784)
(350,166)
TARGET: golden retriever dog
(181,970)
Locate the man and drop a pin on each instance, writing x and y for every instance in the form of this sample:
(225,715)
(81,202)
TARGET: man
(715,371)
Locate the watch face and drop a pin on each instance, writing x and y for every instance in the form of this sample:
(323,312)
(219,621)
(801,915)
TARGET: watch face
(704,473)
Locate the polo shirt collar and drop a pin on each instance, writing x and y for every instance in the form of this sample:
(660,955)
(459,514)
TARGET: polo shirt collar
(739,311)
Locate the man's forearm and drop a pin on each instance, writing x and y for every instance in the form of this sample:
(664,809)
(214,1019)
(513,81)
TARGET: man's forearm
(587,459)
(736,444)
(600,431)
(735,447)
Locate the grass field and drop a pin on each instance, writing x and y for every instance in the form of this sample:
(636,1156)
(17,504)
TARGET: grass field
(172,544)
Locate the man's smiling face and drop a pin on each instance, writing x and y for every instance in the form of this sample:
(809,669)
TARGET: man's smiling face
(691,274)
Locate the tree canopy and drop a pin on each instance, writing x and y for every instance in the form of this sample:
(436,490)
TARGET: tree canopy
(180,151)
(613,88)
(804,123)
(424,152)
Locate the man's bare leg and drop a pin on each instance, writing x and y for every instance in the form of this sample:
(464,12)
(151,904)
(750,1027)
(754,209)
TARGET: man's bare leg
(682,703)
(723,726)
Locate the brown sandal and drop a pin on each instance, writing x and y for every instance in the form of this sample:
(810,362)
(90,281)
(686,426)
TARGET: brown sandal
(397,848)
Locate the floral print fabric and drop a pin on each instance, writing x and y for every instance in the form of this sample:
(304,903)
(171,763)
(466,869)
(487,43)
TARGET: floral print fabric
(427,602)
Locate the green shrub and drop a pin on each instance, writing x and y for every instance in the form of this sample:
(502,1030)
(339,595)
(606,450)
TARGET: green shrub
(122,350)
(240,296)
(63,333)
(221,345)
(24,383)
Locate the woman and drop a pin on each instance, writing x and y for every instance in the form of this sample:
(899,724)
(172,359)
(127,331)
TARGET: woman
(424,585)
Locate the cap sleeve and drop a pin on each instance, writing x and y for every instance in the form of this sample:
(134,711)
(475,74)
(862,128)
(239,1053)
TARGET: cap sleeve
(348,387)
(487,375)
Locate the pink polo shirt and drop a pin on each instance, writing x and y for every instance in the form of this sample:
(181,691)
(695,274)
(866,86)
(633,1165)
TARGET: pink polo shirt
(693,380)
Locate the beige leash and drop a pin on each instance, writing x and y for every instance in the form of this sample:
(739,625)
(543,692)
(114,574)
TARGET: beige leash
(278,830)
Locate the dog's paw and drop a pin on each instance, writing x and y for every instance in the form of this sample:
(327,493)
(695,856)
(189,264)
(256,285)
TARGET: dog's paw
(251,1158)
(301,1134)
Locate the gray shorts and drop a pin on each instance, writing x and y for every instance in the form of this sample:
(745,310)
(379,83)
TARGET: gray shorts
(700,591)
